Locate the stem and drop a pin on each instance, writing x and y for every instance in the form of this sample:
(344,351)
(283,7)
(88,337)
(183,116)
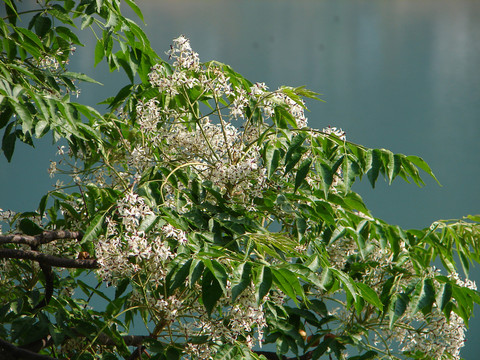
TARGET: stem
(222,123)
(172,172)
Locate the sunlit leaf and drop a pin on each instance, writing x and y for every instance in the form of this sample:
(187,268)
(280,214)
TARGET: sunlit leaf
(94,229)
(263,283)
(369,295)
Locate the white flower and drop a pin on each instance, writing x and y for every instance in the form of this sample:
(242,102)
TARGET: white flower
(183,54)
(337,132)
(258,89)
(52,170)
(171,232)
(239,103)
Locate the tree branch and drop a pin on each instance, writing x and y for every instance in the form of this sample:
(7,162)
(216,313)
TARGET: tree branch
(137,353)
(47,272)
(103,339)
(43,238)
(48,259)
(11,352)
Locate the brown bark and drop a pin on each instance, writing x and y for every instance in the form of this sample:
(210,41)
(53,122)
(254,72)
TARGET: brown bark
(50,260)
(43,238)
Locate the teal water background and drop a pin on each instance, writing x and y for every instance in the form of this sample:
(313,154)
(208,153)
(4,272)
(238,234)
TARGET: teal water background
(395,74)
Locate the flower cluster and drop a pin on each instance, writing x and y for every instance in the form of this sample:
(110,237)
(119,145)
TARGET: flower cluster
(5,216)
(437,335)
(183,54)
(246,314)
(125,247)
(174,134)
(432,334)
(222,153)
(243,320)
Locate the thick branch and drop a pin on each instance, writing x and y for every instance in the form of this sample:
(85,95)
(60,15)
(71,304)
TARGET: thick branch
(137,353)
(48,259)
(103,339)
(11,352)
(47,272)
(43,238)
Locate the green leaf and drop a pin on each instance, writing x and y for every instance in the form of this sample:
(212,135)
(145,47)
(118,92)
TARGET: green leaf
(426,297)
(87,289)
(5,115)
(81,76)
(272,157)
(373,163)
(263,283)
(369,295)
(244,272)
(295,145)
(475,218)
(211,291)
(87,20)
(289,284)
(121,287)
(410,169)
(294,159)
(24,116)
(31,36)
(302,172)
(41,128)
(301,226)
(362,232)
(367,356)
(121,96)
(42,25)
(351,170)
(8,142)
(418,161)
(399,307)
(11,6)
(218,271)
(61,14)
(94,229)
(346,281)
(148,223)
(393,165)
(195,271)
(464,261)
(68,35)
(322,348)
(29,227)
(444,295)
(228,352)
(327,177)
(326,278)
(180,275)
(135,9)
(99,52)
(43,204)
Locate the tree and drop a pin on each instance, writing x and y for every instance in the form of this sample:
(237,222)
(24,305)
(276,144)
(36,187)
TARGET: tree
(207,215)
